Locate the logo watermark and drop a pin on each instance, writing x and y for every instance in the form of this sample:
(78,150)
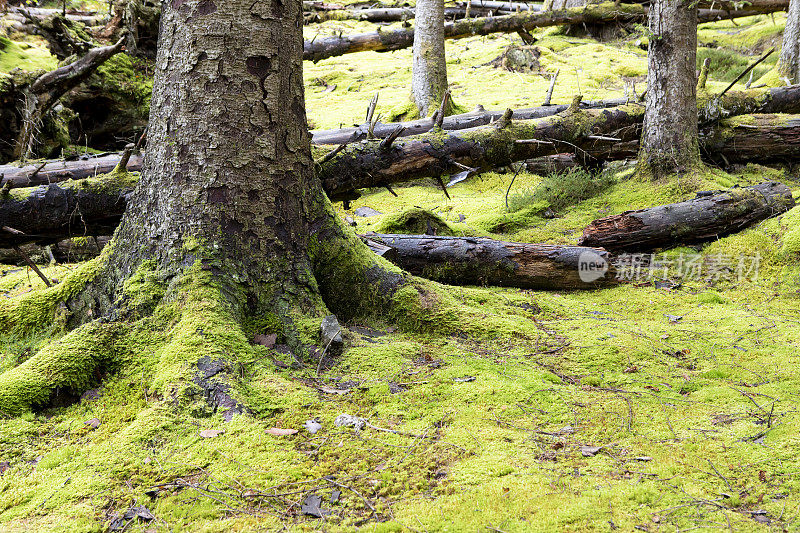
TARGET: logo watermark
(687,267)
(591,266)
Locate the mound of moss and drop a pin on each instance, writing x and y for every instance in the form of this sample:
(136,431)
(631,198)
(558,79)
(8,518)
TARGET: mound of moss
(416,221)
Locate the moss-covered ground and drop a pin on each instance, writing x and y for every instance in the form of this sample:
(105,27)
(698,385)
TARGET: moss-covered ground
(660,407)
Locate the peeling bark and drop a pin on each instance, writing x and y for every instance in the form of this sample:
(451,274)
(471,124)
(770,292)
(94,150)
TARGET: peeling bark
(707,217)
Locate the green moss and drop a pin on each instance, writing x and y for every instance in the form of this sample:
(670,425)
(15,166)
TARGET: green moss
(37,309)
(25,56)
(414,221)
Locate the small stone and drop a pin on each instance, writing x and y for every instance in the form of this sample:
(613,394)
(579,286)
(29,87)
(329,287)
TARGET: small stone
(331,332)
(351,221)
(312,426)
(590,451)
(92,423)
(211,433)
(365,211)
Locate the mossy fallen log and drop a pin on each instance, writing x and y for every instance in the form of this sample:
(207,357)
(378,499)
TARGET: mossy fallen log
(605,13)
(706,217)
(462,121)
(605,134)
(51,213)
(480,261)
(593,136)
(42,173)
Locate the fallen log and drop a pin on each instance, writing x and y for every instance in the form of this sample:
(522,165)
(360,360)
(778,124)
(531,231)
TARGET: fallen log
(592,137)
(65,251)
(708,216)
(473,119)
(48,172)
(398,14)
(479,261)
(384,41)
(752,138)
(51,213)
(598,134)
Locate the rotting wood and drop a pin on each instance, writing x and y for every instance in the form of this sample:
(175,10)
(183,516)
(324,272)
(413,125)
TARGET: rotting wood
(481,261)
(709,216)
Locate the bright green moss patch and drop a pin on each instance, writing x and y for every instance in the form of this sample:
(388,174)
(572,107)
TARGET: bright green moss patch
(415,221)
(25,56)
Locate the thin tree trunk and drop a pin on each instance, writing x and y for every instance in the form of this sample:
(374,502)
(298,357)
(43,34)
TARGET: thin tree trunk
(669,141)
(429,72)
(789,61)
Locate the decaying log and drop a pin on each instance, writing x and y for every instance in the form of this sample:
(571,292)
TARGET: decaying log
(602,134)
(51,213)
(66,251)
(59,170)
(478,261)
(478,117)
(384,41)
(707,217)
(547,145)
(396,14)
(763,138)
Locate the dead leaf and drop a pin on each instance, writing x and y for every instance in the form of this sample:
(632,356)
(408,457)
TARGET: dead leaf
(631,369)
(329,88)
(281,432)
(312,506)
(465,379)
(211,433)
(643,458)
(265,340)
(93,423)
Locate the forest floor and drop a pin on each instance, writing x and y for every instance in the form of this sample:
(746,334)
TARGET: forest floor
(664,404)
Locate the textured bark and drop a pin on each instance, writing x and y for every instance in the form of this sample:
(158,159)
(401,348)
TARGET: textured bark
(235,112)
(429,68)
(669,141)
(789,61)
(707,217)
(477,261)
(228,178)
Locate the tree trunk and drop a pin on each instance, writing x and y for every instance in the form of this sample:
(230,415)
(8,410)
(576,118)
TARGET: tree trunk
(429,71)
(669,141)
(789,61)
(228,233)
(475,261)
(709,216)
